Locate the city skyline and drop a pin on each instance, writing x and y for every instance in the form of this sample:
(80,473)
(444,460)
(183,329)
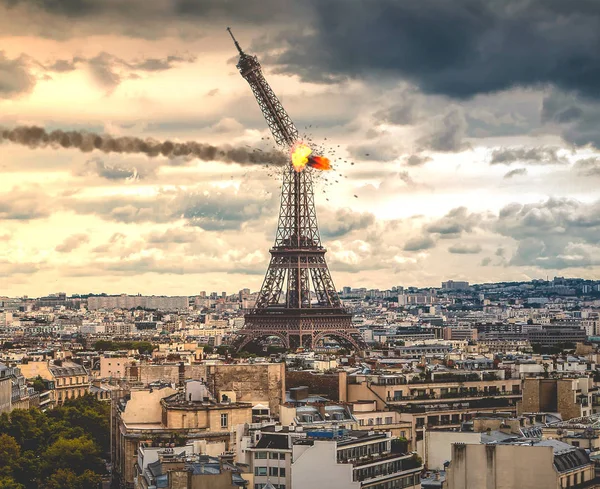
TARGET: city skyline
(343,287)
(456,175)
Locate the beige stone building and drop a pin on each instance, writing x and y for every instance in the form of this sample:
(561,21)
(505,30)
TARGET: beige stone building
(70,380)
(169,416)
(548,464)
(570,397)
(113,366)
(369,419)
(423,404)
(261,383)
(5,395)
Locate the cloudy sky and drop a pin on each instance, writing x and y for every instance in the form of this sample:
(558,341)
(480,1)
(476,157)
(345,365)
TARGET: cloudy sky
(465,136)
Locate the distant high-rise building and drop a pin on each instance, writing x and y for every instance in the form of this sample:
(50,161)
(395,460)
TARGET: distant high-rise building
(452,285)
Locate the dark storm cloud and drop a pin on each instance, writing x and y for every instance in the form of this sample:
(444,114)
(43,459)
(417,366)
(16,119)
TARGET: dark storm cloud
(109,70)
(109,172)
(419,244)
(460,48)
(454,223)
(404,110)
(577,117)
(62,66)
(343,222)
(555,234)
(189,19)
(375,150)
(465,249)
(15,78)
(209,209)
(446,133)
(416,160)
(514,173)
(534,156)
(69,8)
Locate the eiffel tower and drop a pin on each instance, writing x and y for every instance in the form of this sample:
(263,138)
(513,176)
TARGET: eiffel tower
(297,302)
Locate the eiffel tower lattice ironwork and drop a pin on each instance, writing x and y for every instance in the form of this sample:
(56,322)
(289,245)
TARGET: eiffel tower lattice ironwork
(297,302)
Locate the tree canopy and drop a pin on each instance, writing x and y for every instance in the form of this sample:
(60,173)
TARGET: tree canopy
(61,448)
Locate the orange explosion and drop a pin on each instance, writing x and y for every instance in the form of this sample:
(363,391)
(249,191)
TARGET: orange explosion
(319,162)
(301,157)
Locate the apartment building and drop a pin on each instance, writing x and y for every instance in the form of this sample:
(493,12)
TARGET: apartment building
(340,459)
(113,366)
(520,464)
(70,381)
(571,397)
(165,414)
(132,301)
(185,469)
(271,458)
(447,399)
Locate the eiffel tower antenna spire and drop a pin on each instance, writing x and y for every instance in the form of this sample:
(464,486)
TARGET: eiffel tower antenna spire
(235,41)
(298,301)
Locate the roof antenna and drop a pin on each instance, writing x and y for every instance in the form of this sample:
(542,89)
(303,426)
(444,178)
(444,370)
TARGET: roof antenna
(235,41)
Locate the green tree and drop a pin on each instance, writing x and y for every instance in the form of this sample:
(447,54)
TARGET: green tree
(78,455)
(10,483)
(27,471)
(36,445)
(38,384)
(10,452)
(67,479)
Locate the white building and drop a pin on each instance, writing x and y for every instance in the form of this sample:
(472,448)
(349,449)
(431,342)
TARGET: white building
(352,460)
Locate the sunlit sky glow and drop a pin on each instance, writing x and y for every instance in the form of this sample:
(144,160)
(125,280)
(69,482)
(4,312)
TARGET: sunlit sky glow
(475,152)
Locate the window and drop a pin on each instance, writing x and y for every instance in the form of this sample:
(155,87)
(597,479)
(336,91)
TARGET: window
(260,455)
(277,472)
(224,421)
(260,471)
(274,456)
(259,486)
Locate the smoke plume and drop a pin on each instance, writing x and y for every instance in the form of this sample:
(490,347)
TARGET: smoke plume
(38,137)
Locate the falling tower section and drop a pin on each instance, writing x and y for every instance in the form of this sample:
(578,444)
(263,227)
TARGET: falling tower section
(298,302)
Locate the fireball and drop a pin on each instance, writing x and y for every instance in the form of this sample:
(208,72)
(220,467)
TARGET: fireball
(301,157)
(300,154)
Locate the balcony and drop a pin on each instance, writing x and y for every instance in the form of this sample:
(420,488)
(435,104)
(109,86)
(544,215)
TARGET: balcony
(473,403)
(453,395)
(392,464)
(446,377)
